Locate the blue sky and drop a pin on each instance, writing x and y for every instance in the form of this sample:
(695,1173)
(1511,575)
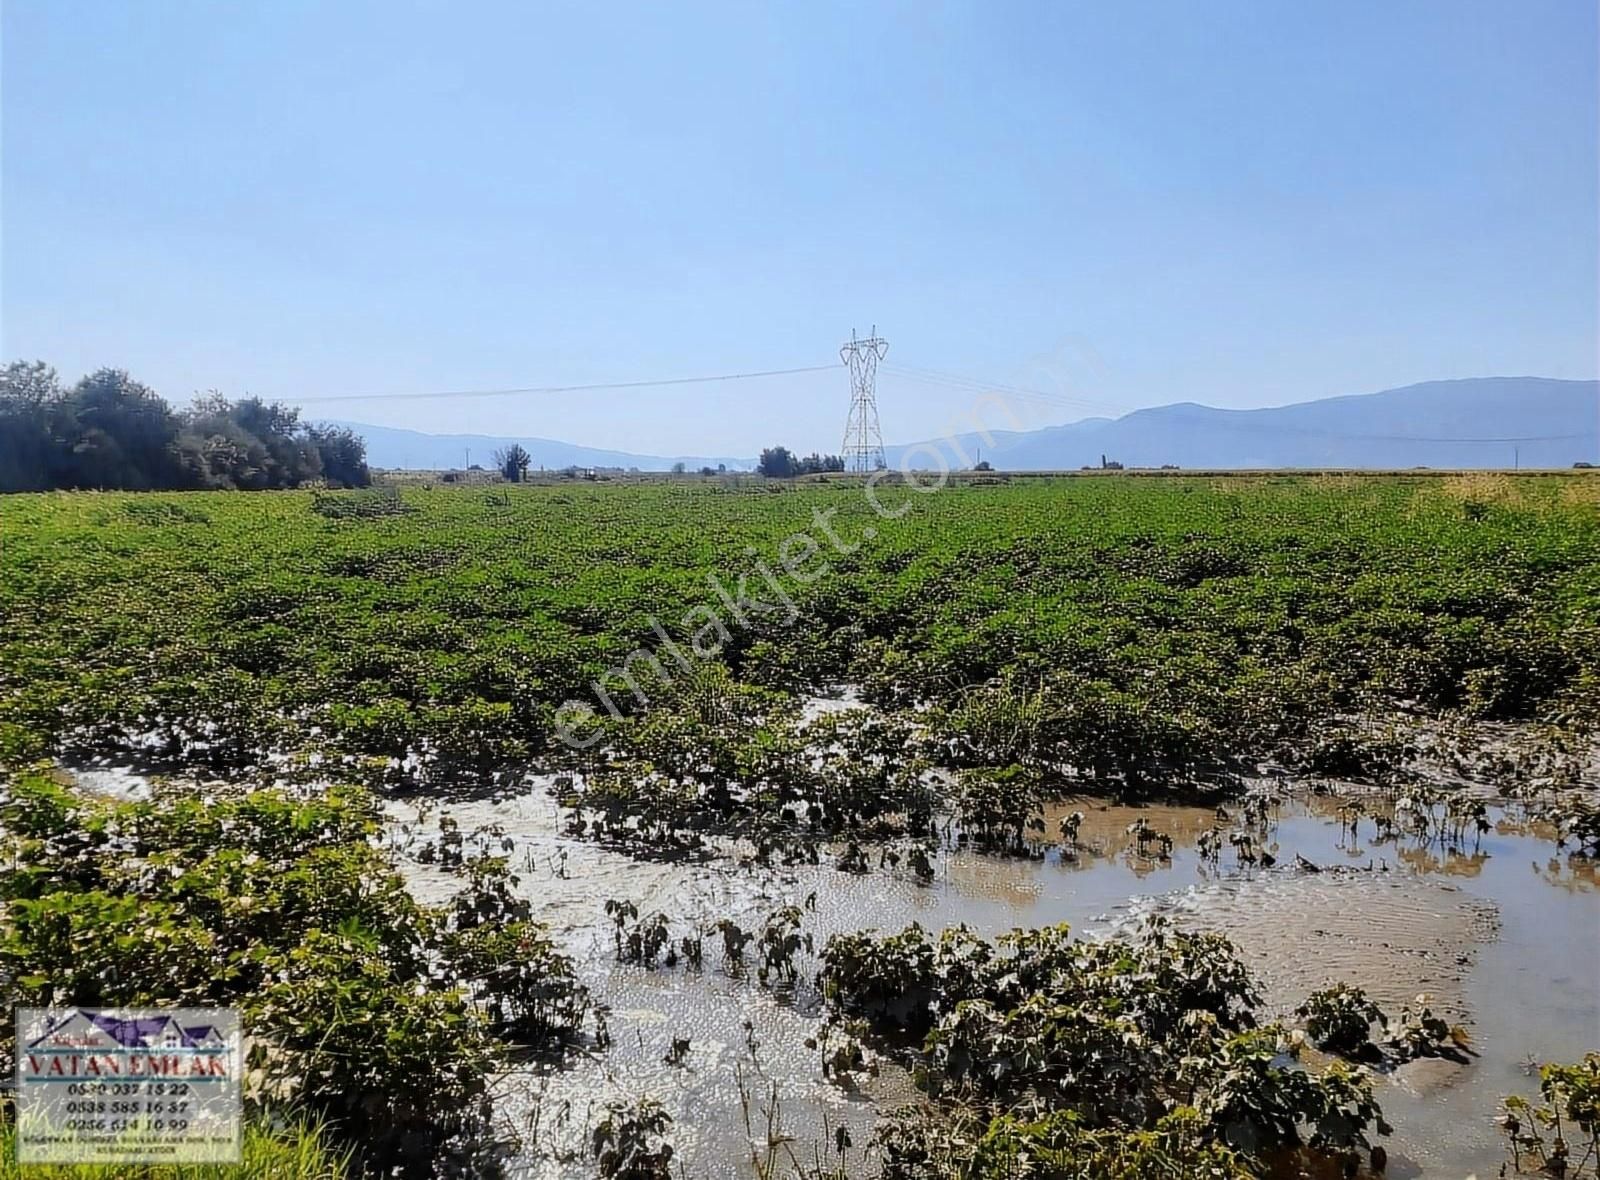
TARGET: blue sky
(1123,204)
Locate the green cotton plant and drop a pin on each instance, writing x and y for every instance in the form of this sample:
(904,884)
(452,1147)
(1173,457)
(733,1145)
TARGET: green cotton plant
(366,1009)
(1560,1136)
(959,1143)
(633,1142)
(1000,808)
(1339,1019)
(1256,1100)
(1156,635)
(1113,1033)
(1418,1032)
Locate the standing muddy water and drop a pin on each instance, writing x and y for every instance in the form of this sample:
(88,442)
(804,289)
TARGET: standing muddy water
(1502,938)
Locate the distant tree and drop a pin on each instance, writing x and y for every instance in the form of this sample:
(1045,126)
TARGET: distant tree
(679,468)
(776,463)
(293,457)
(344,455)
(110,431)
(708,471)
(30,452)
(781,463)
(215,451)
(513,462)
(722,469)
(119,433)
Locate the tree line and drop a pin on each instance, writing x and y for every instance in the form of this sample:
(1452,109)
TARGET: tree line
(110,431)
(781,463)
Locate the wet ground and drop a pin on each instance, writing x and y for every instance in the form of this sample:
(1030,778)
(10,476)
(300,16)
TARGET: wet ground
(1504,937)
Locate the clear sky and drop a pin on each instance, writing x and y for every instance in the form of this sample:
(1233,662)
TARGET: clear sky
(1123,203)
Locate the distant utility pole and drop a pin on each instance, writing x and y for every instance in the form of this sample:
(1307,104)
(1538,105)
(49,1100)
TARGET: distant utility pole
(863,441)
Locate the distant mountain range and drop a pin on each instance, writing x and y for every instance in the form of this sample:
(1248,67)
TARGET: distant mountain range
(1476,422)
(389,446)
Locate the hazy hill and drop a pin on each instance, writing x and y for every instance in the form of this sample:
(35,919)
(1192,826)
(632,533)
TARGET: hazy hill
(389,446)
(1476,422)
(1536,422)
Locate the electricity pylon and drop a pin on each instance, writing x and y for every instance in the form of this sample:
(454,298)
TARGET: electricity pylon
(863,441)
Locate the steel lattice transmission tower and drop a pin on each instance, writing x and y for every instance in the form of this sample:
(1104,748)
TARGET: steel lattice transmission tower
(863,441)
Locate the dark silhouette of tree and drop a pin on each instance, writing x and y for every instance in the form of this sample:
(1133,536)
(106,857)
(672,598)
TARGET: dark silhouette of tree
(344,455)
(110,431)
(780,463)
(513,462)
(776,463)
(119,433)
(29,454)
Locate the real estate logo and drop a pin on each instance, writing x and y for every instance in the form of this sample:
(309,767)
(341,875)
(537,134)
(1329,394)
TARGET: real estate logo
(128,1085)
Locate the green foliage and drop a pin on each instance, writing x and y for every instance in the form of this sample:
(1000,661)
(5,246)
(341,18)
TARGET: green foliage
(1340,1018)
(1110,1036)
(998,808)
(780,463)
(110,431)
(632,1142)
(1560,1136)
(513,462)
(364,1007)
(1126,637)
(1418,1032)
(918,1143)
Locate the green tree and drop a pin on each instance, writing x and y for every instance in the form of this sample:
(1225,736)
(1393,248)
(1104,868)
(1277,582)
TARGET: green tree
(776,463)
(119,433)
(30,454)
(344,455)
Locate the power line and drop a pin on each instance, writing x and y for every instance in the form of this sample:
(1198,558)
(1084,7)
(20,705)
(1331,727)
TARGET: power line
(590,388)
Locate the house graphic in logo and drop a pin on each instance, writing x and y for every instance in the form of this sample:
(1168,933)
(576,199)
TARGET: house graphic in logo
(90,1028)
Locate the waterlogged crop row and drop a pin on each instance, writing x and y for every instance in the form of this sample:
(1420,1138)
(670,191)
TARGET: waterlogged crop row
(1158,630)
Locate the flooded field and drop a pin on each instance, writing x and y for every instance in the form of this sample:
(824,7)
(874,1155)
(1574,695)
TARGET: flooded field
(302,743)
(1504,938)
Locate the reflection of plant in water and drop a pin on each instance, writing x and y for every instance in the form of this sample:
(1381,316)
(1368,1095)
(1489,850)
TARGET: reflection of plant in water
(1577,821)
(997,807)
(1340,1018)
(1069,830)
(1561,1135)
